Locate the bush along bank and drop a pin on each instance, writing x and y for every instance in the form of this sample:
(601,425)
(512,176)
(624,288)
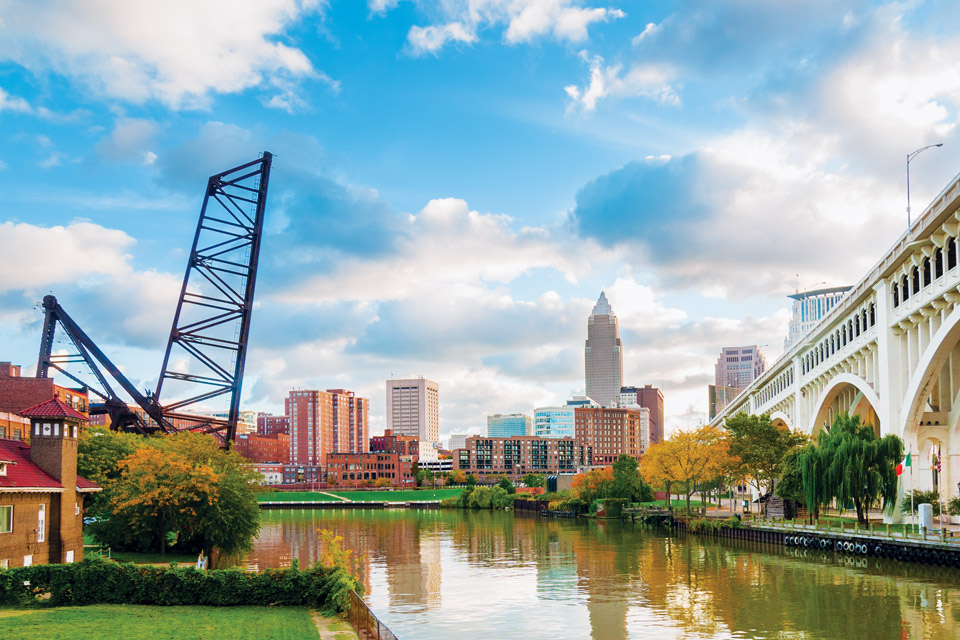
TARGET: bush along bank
(99,581)
(481,498)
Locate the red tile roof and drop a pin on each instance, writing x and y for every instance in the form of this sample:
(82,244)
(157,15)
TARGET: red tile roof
(53,408)
(22,473)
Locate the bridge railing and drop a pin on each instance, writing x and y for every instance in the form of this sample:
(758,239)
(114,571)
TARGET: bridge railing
(365,623)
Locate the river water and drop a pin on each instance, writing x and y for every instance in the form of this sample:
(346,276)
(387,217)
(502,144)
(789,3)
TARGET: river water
(481,574)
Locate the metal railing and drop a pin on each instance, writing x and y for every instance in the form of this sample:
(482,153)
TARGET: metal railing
(366,624)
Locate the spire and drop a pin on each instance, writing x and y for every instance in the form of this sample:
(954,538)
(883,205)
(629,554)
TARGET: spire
(602,308)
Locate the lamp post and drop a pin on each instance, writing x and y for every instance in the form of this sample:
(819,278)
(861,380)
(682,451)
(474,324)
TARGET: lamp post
(911,156)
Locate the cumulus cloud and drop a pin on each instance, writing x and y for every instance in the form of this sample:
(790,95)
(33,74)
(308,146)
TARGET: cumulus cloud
(177,53)
(81,249)
(611,81)
(523,21)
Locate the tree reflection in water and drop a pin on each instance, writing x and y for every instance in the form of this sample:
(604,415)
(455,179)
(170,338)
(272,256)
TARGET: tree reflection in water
(469,574)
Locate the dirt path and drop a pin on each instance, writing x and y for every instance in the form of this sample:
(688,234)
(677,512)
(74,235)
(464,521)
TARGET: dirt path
(340,498)
(333,628)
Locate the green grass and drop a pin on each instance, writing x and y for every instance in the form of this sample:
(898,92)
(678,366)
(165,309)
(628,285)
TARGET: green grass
(134,622)
(404,495)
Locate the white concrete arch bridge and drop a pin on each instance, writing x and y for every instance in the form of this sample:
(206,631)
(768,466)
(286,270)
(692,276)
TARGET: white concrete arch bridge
(889,352)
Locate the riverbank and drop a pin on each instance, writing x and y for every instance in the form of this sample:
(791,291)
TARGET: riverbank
(400,495)
(143,622)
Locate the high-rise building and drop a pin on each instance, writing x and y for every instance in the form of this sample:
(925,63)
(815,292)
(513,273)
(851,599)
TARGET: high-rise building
(501,425)
(516,456)
(603,434)
(603,358)
(739,366)
(323,422)
(413,408)
(651,398)
(554,422)
(809,307)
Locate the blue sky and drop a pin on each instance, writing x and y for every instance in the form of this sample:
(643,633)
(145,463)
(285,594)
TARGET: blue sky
(456,181)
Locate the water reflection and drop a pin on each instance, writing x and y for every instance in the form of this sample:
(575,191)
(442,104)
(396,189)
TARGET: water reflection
(496,575)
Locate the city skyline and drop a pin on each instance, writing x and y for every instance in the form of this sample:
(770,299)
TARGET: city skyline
(452,188)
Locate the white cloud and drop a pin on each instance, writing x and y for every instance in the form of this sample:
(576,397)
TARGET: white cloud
(524,21)
(12,103)
(382,6)
(433,38)
(176,52)
(38,257)
(648,32)
(610,81)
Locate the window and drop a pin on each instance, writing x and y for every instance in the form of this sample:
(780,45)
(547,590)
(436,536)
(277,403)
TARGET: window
(42,523)
(6,518)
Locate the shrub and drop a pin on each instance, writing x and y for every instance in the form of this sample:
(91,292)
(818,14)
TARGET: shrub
(919,497)
(953,507)
(613,507)
(99,581)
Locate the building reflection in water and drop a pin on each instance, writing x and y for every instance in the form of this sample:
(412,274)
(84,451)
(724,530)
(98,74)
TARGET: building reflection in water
(496,574)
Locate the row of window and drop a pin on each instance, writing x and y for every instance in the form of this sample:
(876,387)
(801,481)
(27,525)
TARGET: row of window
(924,275)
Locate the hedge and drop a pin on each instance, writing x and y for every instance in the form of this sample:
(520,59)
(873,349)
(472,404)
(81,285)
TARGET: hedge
(100,581)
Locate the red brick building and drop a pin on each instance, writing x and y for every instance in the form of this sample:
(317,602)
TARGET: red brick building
(41,496)
(269,424)
(516,456)
(18,393)
(603,434)
(324,422)
(358,468)
(264,448)
(391,443)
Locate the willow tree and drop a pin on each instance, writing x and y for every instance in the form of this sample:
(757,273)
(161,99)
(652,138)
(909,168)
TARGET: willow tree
(850,464)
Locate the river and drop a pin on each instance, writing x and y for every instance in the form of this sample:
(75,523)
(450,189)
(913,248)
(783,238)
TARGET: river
(482,574)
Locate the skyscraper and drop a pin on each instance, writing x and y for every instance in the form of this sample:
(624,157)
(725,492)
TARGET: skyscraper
(739,366)
(651,398)
(603,358)
(413,408)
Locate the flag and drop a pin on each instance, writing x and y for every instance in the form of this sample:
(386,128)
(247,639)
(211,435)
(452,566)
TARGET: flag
(905,463)
(937,458)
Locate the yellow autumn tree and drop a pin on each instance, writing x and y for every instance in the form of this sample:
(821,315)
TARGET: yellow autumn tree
(158,490)
(688,459)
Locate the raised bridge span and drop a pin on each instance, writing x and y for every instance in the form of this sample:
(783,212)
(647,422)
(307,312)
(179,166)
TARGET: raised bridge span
(889,352)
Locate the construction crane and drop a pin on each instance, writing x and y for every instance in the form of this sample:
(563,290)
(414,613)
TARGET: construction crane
(207,347)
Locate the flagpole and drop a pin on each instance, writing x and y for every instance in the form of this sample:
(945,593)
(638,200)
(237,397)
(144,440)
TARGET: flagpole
(912,513)
(940,483)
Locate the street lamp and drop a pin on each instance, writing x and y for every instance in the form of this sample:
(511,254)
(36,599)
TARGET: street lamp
(911,156)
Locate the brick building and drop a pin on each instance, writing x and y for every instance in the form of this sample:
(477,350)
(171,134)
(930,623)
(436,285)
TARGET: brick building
(390,442)
(41,496)
(359,468)
(516,456)
(18,393)
(603,434)
(264,448)
(323,422)
(269,424)
(13,426)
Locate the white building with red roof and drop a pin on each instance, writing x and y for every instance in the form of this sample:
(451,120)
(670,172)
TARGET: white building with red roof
(41,496)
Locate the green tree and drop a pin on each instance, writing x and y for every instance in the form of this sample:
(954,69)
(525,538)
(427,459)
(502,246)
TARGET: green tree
(626,478)
(790,485)
(507,485)
(850,464)
(471,480)
(533,480)
(761,447)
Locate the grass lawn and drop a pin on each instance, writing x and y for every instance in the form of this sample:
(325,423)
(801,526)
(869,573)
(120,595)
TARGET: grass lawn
(134,622)
(404,495)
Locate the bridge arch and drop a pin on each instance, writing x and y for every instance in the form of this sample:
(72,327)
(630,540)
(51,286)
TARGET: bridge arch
(926,374)
(780,418)
(846,393)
